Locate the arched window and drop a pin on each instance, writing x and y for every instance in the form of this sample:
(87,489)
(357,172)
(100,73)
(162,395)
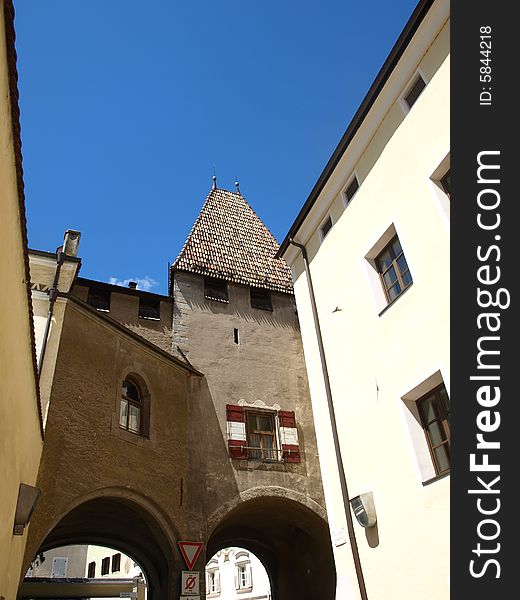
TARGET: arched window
(131,407)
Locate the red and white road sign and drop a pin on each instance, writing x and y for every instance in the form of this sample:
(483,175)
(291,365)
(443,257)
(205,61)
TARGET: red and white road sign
(190,551)
(190,581)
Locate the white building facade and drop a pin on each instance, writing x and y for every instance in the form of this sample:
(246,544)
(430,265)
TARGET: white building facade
(375,235)
(236,574)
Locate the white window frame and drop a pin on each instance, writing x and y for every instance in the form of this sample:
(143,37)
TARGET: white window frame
(353,176)
(214,571)
(244,567)
(408,88)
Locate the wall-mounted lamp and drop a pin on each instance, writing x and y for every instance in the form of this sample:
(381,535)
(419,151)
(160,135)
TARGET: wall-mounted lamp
(364,509)
(27,498)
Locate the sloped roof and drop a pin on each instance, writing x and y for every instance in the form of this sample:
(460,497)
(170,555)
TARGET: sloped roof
(229,241)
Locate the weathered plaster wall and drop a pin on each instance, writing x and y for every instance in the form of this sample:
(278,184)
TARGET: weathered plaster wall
(86,453)
(266,366)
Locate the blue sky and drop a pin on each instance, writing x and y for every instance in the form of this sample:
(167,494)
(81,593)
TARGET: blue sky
(127,107)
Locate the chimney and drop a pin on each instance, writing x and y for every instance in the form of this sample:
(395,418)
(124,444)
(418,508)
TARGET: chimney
(71,242)
(132,285)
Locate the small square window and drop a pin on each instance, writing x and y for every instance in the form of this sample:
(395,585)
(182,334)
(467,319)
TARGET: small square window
(260,299)
(326,226)
(216,289)
(351,190)
(149,308)
(415,91)
(99,298)
(393,270)
(105,566)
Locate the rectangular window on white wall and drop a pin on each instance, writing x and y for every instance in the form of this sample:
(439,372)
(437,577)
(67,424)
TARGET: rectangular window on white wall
(213,582)
(351,189)
(59,566)
(243,579)
(427,412)
(412,91)
(325,227)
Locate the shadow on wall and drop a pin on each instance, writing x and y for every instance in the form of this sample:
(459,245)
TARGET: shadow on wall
(284,319)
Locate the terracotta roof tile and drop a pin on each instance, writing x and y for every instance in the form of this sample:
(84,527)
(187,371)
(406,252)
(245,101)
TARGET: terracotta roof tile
(229,241)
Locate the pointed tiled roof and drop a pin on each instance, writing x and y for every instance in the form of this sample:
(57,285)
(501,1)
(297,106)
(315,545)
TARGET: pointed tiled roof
(229,241)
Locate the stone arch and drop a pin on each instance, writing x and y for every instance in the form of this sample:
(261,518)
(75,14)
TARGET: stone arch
(128,522)
(287,532)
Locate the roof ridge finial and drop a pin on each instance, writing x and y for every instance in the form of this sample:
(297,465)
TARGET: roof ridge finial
(236,185)
(214,187)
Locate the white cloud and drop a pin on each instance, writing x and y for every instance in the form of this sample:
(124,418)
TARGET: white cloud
(143,283)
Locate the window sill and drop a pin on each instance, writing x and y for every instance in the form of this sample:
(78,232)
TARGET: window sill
(216,299)
(149,318)
(434,479)
(395,300)
(137,439)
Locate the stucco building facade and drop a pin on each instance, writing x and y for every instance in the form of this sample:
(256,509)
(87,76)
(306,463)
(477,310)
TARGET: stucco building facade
(373,242)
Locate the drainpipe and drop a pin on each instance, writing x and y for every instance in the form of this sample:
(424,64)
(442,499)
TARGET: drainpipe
(53,294)
(69,248)
(337,448)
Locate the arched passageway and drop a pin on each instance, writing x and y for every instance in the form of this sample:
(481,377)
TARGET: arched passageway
(122,524)
(290,539)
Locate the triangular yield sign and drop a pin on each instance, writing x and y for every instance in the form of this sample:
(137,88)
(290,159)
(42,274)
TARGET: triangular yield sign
(190,551)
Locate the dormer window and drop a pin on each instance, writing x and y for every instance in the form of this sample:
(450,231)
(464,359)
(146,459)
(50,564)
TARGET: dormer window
(216,289)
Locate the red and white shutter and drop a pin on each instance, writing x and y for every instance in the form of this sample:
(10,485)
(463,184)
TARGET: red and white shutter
(236,429)
(289,436)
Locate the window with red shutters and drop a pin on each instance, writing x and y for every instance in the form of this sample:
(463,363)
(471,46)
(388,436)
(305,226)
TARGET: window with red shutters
(260,434)
(237,441)
(289,436)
